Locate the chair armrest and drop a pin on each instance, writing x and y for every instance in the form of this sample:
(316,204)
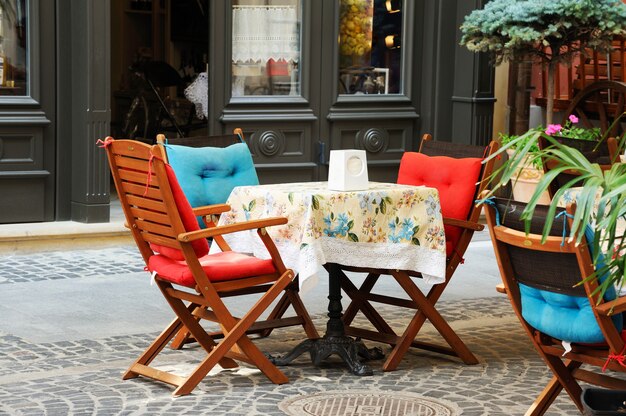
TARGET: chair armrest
(612,307)
(500,288)
(463,224)
(231,228)
(211,209)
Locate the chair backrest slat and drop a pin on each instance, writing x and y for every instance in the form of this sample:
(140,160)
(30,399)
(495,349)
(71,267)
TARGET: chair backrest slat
(130,188)
(139,178)
(125,162)
(160,240)
(154,228)
(145,205)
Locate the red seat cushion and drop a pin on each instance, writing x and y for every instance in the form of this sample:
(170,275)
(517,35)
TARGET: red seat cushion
(218,267)
(201,247)
(455,179)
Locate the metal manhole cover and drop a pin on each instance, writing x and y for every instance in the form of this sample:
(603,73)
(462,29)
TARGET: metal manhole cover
(366,403)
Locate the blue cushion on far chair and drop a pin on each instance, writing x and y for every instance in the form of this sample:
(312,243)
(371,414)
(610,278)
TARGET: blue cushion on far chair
(207,175)
(565,317)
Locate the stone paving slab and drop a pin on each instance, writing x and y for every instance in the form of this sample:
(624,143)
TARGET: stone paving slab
(84,377)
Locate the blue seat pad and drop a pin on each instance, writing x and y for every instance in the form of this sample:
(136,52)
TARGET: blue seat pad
(565,317)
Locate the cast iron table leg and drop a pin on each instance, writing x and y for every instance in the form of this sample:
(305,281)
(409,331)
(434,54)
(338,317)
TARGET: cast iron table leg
(335,340)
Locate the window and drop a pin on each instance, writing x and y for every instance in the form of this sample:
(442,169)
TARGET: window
(13,44)
(370,35)
(266,47)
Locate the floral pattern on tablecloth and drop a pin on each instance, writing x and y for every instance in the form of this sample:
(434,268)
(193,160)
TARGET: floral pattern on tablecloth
(401,223)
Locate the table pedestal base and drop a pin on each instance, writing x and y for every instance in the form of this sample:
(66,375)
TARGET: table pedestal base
(348,349)
(335,340)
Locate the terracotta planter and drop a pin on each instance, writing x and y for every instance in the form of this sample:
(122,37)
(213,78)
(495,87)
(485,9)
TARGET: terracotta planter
(525,181)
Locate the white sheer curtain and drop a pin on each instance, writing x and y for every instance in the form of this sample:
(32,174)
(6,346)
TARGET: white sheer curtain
(197,93)
(261,33)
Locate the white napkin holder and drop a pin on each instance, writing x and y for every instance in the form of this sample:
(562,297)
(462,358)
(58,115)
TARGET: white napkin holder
(347,170)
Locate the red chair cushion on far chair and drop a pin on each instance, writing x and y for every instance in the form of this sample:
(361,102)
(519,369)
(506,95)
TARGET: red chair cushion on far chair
(455,179)
(218,267)
(201,246)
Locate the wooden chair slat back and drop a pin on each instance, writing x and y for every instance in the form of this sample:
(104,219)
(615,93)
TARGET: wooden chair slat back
(149,208)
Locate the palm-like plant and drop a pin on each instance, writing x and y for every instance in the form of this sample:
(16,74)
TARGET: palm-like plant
(601,202)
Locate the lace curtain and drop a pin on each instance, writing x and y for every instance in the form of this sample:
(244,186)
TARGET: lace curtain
(197,93)
(261,33)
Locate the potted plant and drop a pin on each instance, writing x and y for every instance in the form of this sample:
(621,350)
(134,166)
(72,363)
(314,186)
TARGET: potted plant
(550,31)
(601,199)
(528,172)
(530,169)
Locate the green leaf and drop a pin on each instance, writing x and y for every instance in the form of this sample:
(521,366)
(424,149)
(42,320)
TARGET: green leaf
(415,241)
(290,197)
(383,206)
(353,237)
(251,205)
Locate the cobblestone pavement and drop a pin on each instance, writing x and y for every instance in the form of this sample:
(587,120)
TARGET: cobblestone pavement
(83,377)
(18,268)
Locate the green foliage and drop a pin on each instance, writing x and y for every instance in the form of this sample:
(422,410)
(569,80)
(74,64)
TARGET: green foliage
(601,201)
(513,143)
(514,29)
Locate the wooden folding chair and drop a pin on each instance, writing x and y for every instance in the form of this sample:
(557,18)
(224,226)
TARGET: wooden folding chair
(604,154)
(556,308)
(192,281)
(219,140)
(211,169)
(459,175)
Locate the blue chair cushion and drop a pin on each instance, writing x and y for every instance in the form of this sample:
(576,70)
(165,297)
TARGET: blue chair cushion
(565,317)
(207,175)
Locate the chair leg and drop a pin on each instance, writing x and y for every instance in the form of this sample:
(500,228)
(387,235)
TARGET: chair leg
(192,325)
(359,303)
(155,348)
(291,297)
(563,379)
(426,310)
(235,333)
(183,337)
(356,295)
(545,399)
(298,307)
(278,311)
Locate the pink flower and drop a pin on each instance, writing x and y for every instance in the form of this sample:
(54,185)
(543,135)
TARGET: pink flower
(573,118)
(553,128)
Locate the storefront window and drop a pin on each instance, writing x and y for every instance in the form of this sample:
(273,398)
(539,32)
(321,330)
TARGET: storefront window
(13,44)
(266,47)
(370,34)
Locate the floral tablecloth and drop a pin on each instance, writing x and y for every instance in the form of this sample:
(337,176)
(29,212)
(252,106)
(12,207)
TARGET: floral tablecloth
(387,226)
